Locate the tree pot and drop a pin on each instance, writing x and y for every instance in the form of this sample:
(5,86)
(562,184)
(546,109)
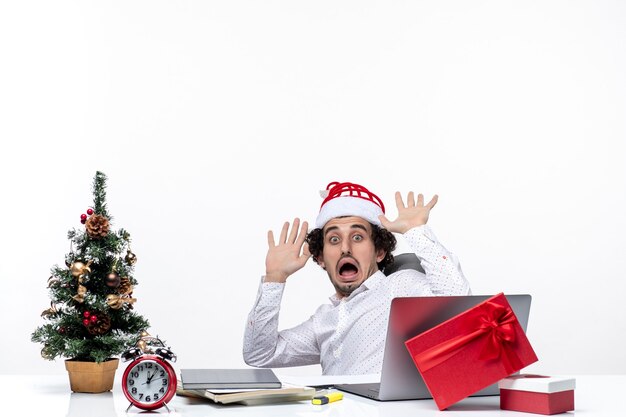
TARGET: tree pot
(91,377)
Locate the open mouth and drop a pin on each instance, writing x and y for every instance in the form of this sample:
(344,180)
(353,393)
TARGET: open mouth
(347,268)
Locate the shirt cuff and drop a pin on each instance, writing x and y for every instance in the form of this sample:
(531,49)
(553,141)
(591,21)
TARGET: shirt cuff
(270,293)
(420,237)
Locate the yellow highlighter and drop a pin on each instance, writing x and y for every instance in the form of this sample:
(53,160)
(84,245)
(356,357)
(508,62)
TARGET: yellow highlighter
(327,398)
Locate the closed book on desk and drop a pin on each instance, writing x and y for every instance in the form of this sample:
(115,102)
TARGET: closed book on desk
(229,379)
(251,397)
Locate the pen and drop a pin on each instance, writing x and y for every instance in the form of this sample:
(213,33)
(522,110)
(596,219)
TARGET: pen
(327,398)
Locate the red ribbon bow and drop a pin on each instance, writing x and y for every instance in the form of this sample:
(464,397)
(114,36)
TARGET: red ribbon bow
(494,323)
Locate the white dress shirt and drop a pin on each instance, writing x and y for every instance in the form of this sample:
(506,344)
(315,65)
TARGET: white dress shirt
(347,336)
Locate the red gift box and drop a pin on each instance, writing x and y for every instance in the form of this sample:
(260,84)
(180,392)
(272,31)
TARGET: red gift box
(537,394)
(471,351)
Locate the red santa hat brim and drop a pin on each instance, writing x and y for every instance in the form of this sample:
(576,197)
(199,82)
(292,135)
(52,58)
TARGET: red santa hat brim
(349,199)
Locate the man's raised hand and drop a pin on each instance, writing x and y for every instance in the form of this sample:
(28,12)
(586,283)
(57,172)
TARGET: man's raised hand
(413,214)
(289,254)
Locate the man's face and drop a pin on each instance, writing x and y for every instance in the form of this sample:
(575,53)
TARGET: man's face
(349,256)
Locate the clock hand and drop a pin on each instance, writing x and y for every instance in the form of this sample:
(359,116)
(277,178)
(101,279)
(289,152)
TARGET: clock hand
(149,378)
(152,376)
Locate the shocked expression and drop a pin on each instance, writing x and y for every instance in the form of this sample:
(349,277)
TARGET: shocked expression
(349,256)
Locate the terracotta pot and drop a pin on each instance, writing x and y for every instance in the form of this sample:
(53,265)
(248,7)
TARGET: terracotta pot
(91,377)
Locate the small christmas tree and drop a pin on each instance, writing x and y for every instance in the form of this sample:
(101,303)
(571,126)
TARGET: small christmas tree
(91,315)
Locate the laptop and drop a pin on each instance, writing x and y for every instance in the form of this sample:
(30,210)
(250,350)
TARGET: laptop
(408,317)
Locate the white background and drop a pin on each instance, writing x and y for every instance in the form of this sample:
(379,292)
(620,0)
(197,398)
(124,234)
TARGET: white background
(216,121)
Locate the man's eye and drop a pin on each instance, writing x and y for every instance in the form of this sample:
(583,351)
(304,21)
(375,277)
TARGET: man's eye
(333,239)
(357,238)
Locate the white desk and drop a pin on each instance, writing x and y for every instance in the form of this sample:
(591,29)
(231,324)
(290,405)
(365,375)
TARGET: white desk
(50,396)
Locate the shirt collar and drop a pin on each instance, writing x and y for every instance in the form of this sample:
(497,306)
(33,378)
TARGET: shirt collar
(374,281)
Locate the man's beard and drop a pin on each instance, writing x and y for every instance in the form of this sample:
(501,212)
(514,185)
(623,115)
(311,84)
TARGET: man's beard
(345,289)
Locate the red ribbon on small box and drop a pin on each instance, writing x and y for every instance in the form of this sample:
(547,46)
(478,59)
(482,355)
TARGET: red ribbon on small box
(493,322)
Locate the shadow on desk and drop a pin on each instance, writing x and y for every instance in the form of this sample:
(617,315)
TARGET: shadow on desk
(474,406)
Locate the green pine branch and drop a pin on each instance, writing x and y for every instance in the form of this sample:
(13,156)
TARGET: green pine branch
(99,194)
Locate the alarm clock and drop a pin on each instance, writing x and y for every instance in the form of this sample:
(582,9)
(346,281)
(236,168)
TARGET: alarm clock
(149,381)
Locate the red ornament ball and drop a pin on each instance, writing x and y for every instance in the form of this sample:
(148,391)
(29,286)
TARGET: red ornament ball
(86,322)
(93,319)
(86,314)
(89,211)
(83,221)
(61,330)
(83,216)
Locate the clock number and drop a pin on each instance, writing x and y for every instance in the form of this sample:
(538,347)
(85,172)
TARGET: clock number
(140,396)
(134,390)
(148,398)
(162,390)
(131,382)
(156,396)
(162,372)
(149,365)
(135,374)
(164,381)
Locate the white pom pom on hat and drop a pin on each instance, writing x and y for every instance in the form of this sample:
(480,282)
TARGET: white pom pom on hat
(349,199)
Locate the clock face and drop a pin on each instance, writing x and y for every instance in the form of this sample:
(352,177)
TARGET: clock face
(149,382)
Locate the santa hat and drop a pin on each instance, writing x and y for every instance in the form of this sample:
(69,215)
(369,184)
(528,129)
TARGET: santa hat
(348,199)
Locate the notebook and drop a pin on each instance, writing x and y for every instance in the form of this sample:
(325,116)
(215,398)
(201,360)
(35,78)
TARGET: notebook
(193,379)
(252,397)
(409,316)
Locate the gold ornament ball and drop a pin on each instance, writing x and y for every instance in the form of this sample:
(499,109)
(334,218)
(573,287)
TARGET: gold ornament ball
(79,268)
(45,354)
(131,258)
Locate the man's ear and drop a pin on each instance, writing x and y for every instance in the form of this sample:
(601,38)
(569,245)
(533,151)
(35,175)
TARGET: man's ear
(380,255)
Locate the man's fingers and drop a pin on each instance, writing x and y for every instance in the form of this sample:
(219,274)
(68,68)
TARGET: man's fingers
(384,221)
(399,202)
(283,233)
(410,199)
(297,234)
(432,202)
(303,231)
(420,200)
(304,257)
(294,230)
(305,251)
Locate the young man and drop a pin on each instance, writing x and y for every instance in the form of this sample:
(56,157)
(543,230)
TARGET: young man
(352,241)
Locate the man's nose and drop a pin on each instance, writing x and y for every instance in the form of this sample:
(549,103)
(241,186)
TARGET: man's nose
(345,247)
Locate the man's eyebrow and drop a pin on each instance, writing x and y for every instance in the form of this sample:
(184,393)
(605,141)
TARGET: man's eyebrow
(358,226)
(330,229)
(353,226)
